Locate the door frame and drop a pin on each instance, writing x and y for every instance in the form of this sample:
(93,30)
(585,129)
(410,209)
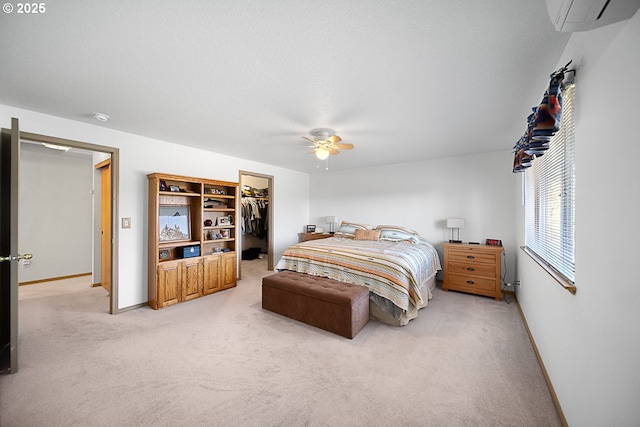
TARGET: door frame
(270,186)
(105,221)
(115,173)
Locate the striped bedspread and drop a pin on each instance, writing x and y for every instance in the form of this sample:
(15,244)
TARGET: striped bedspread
(392,270)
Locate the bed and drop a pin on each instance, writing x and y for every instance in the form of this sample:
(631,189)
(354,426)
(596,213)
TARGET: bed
(397,265)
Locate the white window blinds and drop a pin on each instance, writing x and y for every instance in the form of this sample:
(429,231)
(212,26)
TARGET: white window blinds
(550,196)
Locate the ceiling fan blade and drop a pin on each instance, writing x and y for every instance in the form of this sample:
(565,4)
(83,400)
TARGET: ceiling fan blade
(333,152)
(334,139)
(310,140)
(345,146)
(312,151)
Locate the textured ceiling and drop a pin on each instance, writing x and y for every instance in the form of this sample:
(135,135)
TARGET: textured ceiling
(403,80)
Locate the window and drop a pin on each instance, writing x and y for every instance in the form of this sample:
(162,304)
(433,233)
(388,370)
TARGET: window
(549,198)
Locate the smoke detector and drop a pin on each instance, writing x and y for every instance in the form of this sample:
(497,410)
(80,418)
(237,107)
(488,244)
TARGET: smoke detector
(100,117)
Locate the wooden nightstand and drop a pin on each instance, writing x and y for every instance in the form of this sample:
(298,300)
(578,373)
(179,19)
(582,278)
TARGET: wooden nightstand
(474,269)
(313,236)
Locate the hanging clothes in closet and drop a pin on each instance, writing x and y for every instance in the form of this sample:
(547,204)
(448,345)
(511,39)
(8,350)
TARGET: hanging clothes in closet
(254,215)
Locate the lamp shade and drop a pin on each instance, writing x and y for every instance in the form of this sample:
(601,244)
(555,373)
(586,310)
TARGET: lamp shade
(455,223)
(331,219)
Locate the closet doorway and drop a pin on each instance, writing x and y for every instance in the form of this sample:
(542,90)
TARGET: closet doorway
(256,208)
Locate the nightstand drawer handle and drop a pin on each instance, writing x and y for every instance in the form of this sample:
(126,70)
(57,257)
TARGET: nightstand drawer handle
(470,256)
(471,269)
(471,282)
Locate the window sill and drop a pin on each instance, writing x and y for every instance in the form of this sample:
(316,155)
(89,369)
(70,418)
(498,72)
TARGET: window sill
(562,281)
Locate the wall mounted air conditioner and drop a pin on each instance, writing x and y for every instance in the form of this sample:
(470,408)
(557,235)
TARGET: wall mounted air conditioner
(584,15)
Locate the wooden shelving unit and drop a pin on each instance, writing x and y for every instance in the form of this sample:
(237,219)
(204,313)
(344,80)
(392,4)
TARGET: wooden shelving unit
(192,237)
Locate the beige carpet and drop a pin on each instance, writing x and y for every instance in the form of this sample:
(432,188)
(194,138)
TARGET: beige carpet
(221,360)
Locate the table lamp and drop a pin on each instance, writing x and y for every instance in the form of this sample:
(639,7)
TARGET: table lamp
(455,224)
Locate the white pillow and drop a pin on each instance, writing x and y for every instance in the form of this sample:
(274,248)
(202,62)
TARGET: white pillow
(396,233)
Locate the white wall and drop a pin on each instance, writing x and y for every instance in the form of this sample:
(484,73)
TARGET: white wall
(422,195)
(590,342)
(140,156)
(55,212)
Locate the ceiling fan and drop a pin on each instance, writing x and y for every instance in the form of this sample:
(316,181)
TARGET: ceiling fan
(325,143)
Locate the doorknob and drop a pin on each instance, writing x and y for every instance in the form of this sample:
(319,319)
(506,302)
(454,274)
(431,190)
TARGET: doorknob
(15,258)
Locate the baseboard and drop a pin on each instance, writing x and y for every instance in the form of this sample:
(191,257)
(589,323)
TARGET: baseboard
(554,396)
(53,279)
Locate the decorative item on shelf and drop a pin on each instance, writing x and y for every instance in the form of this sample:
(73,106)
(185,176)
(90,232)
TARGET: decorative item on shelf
(174,188)
(164,254)
(455,224)
(226,234)
(216,234)
(311,228)
(223,220)
(494,242)
(230,218)
(331,220)
(214,203)
(163,185)
(208,223)
(190,251)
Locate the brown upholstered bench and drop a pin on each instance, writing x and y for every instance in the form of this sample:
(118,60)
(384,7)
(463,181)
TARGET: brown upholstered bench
(337,307)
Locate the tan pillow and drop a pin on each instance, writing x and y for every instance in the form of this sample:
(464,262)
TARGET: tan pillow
(348,229)
(367,235)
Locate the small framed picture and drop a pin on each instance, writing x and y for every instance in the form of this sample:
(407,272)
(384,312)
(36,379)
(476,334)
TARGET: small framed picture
(174,188)
(311,228)
(223,220)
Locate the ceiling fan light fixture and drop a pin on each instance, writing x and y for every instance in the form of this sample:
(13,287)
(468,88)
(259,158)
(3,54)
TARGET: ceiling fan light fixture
(326,143)
(321,134)
(322,153)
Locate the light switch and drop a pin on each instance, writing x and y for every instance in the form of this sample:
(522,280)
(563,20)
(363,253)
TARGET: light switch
(126,222)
